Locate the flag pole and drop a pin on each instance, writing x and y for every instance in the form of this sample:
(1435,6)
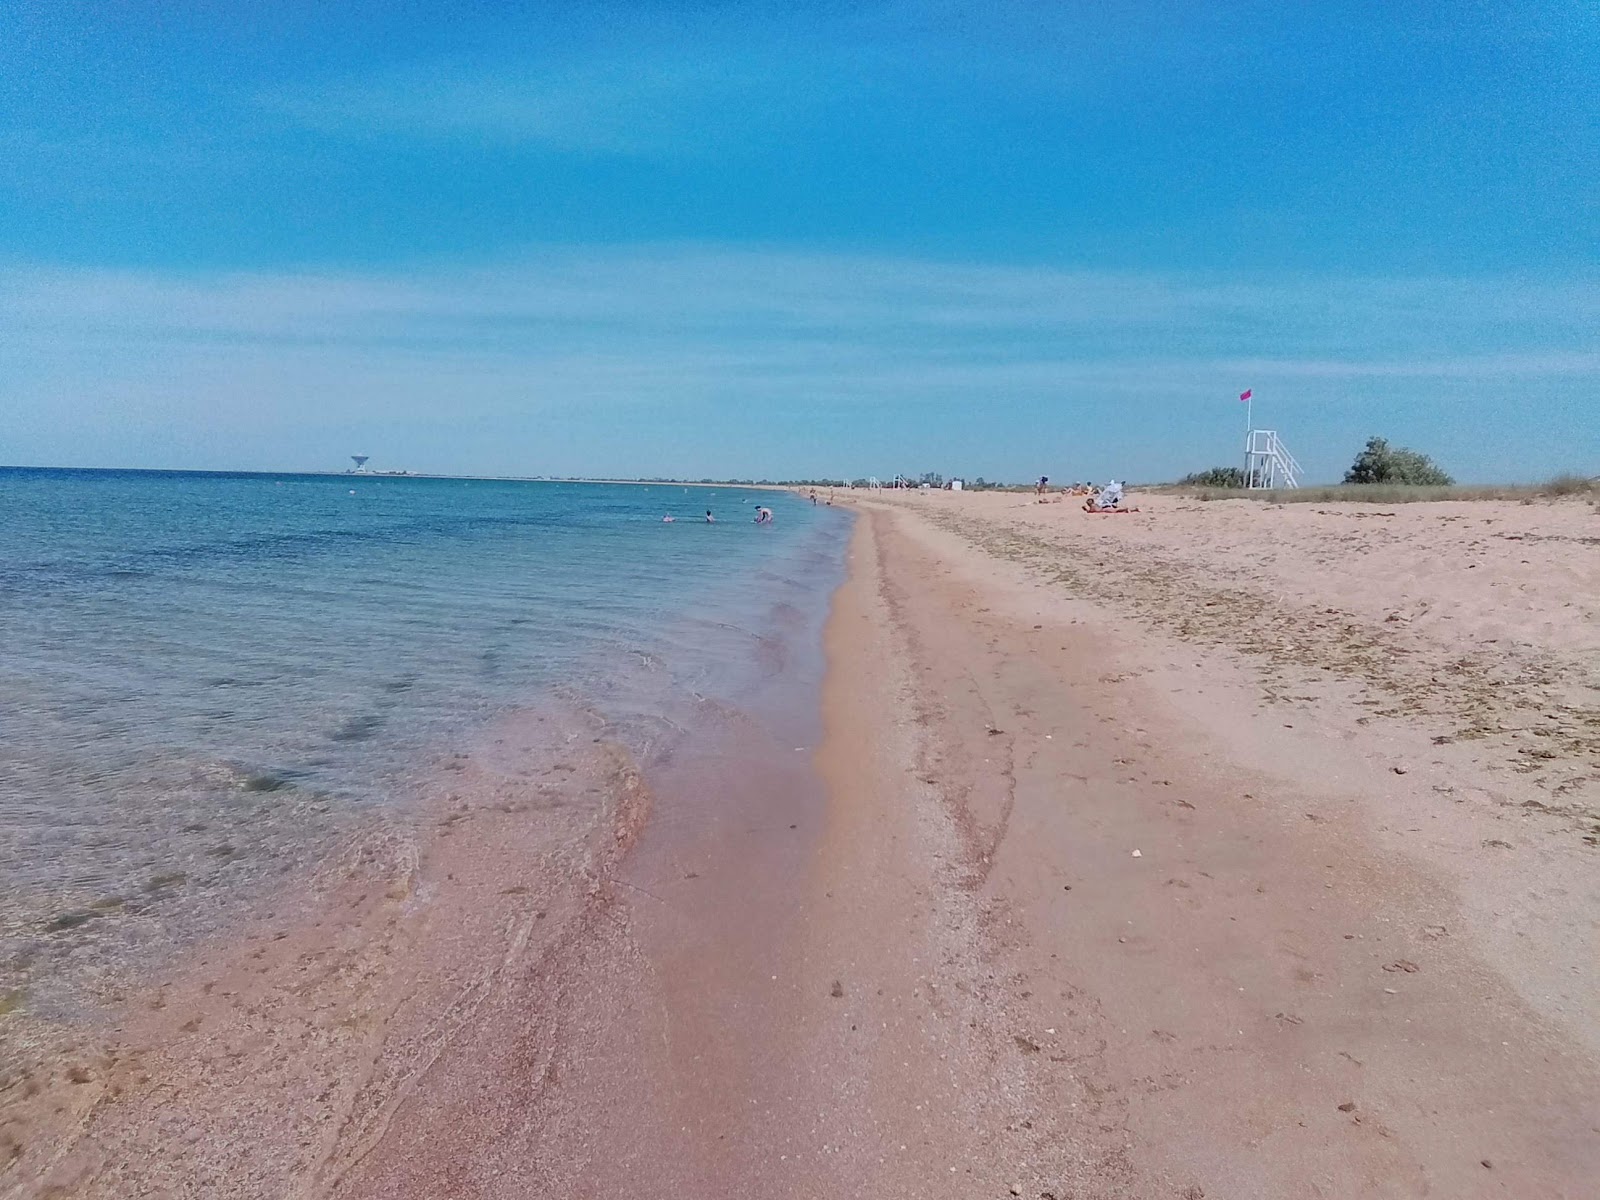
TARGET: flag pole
(1249,429)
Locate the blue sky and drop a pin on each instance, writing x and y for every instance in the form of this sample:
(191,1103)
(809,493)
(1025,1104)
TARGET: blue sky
(997,239)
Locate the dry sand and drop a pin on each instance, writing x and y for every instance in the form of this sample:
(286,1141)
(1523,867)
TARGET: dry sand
(1484,615)
(1357,952)
(1217,851)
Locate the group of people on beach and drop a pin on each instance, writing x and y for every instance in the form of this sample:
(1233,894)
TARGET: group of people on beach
(1096,499)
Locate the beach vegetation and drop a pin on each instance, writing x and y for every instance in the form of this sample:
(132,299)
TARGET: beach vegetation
(1563,487)
(1381,463)
(1573,485)
(1216,477)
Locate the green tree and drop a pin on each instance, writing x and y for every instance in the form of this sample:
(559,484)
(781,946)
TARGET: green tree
(1380,462)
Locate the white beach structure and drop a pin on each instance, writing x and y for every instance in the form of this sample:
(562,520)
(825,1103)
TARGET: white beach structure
(1268,463)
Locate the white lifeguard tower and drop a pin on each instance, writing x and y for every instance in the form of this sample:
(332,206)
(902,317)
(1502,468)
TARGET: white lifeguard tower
(1268,463)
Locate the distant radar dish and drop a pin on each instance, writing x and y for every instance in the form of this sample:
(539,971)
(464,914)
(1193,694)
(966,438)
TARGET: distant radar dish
(360,460)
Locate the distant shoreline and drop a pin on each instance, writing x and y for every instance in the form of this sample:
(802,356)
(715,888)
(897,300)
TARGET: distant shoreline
(229,473)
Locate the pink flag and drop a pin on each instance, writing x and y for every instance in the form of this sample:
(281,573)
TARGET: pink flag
(1245,395)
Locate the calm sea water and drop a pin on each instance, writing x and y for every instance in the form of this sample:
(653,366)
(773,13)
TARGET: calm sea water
(204,678)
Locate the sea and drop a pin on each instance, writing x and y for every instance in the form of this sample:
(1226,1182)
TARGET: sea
(208,679)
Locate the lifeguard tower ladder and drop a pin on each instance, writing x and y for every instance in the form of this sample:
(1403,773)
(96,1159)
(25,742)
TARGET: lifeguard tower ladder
(1268,463)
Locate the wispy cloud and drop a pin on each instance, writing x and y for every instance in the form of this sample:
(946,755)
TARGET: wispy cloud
(645,337)
(717,296)
(643,93)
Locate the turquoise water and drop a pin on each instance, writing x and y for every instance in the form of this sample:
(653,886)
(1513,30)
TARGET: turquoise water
(205,678)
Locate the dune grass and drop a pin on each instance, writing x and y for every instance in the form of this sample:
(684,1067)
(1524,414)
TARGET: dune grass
(1573,485)
(1561,486)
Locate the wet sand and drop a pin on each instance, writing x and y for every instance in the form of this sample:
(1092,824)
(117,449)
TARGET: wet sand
(1071,900)
(271,1061)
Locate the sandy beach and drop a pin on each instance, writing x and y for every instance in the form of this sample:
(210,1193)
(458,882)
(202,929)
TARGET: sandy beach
(1220,850)
(476,725)
(1277,825)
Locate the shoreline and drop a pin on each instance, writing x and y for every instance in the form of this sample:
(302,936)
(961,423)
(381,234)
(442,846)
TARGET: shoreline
(308,1016)
(1060,903)
(352,474)
(466,954)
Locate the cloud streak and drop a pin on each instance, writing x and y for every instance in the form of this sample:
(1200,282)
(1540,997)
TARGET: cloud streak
(641,92)
(710,295)
(658,336)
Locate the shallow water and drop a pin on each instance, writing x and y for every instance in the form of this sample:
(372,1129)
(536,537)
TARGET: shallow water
(205,680)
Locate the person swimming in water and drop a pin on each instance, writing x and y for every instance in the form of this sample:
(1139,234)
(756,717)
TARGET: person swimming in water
(668,519)
(763,516)
(710,520)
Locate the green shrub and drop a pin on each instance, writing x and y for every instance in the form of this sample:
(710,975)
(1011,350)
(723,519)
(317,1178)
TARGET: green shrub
(1216,477)
(1382,463)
